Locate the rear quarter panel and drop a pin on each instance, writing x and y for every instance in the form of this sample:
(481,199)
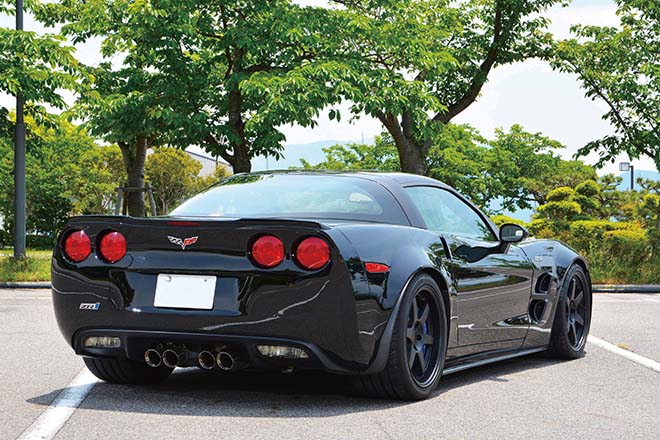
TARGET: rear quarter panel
(407,251)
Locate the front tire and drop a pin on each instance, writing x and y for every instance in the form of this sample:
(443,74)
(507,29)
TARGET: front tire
(570,328)
(126,371)
(417,349)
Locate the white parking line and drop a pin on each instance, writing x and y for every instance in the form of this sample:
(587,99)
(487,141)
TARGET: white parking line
(641,360)
(55,416)
(623,300)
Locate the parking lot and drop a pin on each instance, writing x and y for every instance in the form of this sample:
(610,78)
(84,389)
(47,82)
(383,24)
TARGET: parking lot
(603,395)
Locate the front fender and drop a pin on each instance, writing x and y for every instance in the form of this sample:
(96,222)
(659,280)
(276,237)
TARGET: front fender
(551,260)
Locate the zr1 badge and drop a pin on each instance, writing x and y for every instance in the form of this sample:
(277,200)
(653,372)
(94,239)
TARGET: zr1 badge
(89,306)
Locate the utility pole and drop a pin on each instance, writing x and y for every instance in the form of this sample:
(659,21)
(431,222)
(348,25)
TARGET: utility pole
(19,162)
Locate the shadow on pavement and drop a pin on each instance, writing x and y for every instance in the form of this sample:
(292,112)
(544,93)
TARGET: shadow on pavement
(195,392)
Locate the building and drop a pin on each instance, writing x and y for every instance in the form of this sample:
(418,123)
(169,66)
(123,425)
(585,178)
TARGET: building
(209,164)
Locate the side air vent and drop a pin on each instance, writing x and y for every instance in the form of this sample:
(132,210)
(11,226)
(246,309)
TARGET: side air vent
(543,284)
(536,309)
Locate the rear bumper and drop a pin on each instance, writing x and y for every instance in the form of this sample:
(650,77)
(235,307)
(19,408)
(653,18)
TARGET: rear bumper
(340,332)
(135,342)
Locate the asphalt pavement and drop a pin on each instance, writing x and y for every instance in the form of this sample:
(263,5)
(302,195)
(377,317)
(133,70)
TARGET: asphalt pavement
(602,395)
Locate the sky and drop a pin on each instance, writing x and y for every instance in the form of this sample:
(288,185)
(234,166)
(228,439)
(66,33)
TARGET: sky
(529,93)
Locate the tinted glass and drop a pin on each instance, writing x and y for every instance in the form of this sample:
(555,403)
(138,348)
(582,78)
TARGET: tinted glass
(443,212)
(296,196)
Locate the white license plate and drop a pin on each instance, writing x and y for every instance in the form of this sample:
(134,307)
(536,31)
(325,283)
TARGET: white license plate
(185,291)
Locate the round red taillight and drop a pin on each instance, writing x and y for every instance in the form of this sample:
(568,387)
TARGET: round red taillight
(267,251)
(77,246)
(112,247)
(313,253)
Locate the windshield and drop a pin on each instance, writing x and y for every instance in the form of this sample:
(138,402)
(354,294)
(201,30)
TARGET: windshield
(296,196)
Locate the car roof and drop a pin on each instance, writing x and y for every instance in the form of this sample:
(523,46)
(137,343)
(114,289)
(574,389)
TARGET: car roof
(394,182)
(403,179)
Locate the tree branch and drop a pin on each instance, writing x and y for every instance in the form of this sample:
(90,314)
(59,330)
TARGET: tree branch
(480,77)
(615,110)
(221,150)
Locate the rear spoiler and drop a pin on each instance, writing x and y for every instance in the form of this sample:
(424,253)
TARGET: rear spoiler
(181,221)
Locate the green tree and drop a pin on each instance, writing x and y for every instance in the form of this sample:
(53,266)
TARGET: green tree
(55,175)
(460,158)
(197,72)
(94,187)
(417,65)
(379,156)
(173,175)
(515,170)
(619,66)
(527,167)
(648,209)
(37,66)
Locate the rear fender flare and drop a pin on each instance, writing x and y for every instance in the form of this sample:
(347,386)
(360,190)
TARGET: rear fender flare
(380,358)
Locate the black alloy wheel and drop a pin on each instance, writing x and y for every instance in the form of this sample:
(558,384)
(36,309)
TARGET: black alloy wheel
(570,328)
(575,311)
(421,333)
(417,345)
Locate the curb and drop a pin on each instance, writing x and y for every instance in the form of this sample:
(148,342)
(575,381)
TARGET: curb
(25,285)
(626,288)
(597,288)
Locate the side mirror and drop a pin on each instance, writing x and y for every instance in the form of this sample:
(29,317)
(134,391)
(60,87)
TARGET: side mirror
(512,233)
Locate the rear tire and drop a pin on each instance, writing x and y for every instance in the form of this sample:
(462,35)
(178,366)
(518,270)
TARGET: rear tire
(417,349)
(572,317)
(126,371)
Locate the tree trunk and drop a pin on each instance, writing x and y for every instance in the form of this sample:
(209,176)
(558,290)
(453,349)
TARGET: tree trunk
(240,159)
(134,159)
(412,155)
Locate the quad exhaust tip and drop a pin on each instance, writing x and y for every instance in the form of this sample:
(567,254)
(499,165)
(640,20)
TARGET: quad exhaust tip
(153,358)
(225,361)
(206,360)
(170,358)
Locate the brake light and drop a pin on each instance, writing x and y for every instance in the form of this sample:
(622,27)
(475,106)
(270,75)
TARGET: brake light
(77,246)
(312,253)
(184,224)
(112,247)
(267,251)
(376,267)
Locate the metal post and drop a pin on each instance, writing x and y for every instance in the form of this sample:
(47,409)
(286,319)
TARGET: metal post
(152,201)
(19,162)
(120,197)
(632,178)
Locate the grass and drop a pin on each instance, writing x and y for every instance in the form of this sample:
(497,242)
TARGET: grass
(35,267)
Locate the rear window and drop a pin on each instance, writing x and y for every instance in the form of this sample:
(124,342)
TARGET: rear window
(296,196)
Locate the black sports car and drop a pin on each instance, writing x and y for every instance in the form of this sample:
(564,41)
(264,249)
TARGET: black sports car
(394,279)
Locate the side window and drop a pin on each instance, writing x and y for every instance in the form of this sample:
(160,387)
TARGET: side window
(442,211)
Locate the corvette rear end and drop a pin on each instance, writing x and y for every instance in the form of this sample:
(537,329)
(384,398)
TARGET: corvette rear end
(212,293)
(394,279)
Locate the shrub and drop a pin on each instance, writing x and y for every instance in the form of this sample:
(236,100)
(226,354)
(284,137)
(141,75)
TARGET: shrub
(588,188)
(587,235)
(563,193)
(624,256)
(560,210)
(499,220)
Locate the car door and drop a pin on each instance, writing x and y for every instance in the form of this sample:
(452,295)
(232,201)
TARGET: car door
(493,280)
